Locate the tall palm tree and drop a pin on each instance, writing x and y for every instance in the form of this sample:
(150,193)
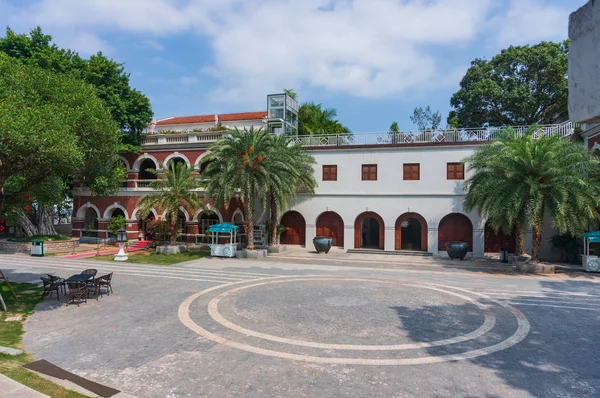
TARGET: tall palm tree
(176,189)
(296,165)
(518,178)
(240,164)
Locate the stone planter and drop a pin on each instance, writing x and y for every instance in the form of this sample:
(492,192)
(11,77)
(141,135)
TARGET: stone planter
(457,250)
(322,244)
(251,253)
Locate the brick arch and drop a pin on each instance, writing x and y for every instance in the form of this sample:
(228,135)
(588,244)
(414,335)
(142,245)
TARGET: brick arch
(398,229)
(331,224)
(358,227)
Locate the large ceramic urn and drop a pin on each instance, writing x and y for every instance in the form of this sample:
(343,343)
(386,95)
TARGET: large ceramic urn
(322,243)
(457,250)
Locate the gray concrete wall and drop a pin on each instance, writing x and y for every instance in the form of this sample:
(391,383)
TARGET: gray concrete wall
(584,63)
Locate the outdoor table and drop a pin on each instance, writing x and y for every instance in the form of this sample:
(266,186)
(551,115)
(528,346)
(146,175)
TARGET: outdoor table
(79,278)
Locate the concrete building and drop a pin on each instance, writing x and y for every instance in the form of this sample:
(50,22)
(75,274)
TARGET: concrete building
(387,191)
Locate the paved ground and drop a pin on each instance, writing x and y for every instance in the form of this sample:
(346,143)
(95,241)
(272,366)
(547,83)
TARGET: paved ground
(216,327)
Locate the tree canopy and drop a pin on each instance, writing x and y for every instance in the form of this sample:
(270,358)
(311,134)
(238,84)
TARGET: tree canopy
(129,107)
(53,129)
(425,118)
(518,178)
(314,119)
(523,85)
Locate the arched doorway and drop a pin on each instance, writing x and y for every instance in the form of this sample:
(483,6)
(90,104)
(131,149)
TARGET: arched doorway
(455,227)
(173,162)
(143,226)
(494,241)
(206,220)
(331,224)
(296,229)
(90,224)
(411,232)
(369,231)
(145,174)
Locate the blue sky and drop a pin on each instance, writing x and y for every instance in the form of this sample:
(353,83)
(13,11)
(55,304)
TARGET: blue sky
(372,60)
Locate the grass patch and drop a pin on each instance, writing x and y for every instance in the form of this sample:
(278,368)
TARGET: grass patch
(151,257)
(10,336)
(45,238)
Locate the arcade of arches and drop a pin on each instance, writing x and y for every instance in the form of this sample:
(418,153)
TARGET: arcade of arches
(410,231)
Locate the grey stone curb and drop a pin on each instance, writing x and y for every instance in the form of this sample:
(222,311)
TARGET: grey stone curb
(10,351)
(13,389)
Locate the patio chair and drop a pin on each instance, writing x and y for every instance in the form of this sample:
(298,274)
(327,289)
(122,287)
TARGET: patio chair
(93,286)
(77,292)
(91,271)
(105,281)
(50,287)
(59,281)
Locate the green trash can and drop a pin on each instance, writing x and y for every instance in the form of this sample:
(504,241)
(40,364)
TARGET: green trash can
(37,248)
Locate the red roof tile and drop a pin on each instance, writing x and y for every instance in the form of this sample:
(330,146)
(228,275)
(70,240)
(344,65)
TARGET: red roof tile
(225,117)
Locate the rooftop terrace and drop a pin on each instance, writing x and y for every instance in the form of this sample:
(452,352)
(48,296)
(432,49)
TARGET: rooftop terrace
(467,135)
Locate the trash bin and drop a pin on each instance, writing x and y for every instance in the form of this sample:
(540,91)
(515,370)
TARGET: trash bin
(37,248)
(503,255)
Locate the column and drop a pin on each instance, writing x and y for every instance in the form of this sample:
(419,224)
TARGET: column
(478,242)
(432,240)
(389,242)
(348,237)
(103,228)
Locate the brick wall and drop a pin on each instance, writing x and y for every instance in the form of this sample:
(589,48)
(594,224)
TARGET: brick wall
(49,247)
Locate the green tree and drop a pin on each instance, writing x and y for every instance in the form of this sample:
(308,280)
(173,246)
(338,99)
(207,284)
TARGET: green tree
(177,187)
(129,107)
(425,118)
(519,178)
(240,165)
(53,130)
(394,127)
(523,85)
(313,119)
(115,224)
(291,170)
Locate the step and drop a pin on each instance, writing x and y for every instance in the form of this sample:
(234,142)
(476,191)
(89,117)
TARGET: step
(395,252)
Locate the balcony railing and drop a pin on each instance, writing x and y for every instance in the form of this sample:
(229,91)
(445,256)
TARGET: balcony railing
(421,137)
(473,135)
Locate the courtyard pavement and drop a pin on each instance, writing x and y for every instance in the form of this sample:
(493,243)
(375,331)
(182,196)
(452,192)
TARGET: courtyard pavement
(228,327)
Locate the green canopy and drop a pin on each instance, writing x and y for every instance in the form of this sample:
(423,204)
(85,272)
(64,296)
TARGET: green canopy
(223,228)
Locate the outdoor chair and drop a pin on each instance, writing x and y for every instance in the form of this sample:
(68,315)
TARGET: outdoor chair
(77,292)
(93,286)
(59,281)
(50,287)
(91,271)
(105,281)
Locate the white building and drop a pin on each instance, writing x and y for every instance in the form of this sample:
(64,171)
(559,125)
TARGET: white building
(388,191)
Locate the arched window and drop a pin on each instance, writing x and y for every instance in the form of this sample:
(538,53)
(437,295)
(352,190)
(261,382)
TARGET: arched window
(207,219)
(90,224)
(173,162)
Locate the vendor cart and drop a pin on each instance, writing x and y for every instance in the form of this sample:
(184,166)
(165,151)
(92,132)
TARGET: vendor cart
(218,249)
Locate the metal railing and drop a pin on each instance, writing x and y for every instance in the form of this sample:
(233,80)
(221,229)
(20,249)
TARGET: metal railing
(473,135)
(436,136)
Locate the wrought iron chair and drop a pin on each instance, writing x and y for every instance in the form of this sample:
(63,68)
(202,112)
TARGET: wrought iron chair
(90,271)
(50,287)
(77,292)
(93,286)
(105,281)
(59,281)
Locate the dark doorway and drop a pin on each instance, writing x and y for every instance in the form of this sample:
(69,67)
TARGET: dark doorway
(411,235)
(369,233)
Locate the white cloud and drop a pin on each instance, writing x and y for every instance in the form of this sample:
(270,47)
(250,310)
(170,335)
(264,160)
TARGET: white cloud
(365,48)
(530,21)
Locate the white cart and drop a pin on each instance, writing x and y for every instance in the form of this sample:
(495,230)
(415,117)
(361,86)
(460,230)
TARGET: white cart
(217,231)
(590,263)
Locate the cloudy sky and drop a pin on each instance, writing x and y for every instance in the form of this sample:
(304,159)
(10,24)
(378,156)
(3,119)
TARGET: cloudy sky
(372,60)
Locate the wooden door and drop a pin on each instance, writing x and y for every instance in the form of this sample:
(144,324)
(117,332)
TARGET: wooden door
(331,224)
(296,232)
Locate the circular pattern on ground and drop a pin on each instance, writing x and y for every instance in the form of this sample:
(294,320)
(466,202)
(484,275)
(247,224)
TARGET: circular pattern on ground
(474,343)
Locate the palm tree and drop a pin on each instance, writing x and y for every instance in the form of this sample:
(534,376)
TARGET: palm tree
(519,178)
(240,165)
(176,189)
(296,168)
(313,119)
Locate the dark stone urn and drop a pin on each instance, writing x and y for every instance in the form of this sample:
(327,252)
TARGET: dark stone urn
(457,250)
(322,243)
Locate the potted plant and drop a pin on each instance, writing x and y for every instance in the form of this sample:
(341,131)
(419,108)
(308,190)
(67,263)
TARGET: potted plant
(457,250)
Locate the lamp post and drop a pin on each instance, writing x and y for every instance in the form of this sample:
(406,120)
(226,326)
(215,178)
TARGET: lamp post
(121,240)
